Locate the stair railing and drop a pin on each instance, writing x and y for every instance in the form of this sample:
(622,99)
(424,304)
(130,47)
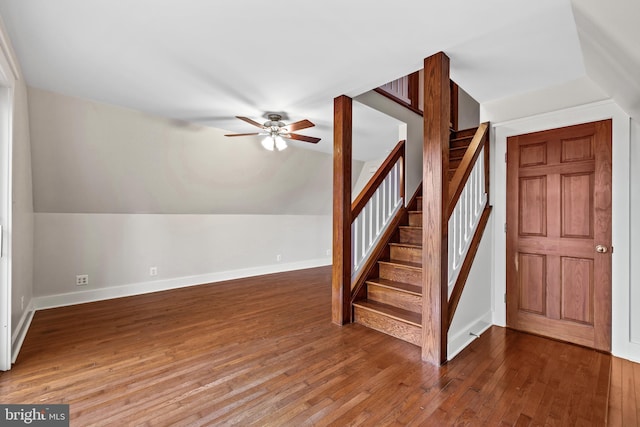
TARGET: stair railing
(465,217)
(375,211)
(468,212)
(398,88)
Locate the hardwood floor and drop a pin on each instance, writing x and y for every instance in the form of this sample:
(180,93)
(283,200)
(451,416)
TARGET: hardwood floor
(624,401)
(263,351)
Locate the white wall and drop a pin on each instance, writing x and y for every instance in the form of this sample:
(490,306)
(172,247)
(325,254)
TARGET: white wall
(468,111)
(22,233)
(414,139)
(625,281)
(18,230)
(117,251)
(118,191)
(474,312)
(634,191)
(366,173)
(571,94)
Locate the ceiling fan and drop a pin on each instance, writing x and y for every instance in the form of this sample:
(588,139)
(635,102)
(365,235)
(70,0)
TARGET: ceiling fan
(275,131)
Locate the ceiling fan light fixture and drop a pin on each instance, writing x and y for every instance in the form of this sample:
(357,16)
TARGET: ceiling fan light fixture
(280,143)
(268,143)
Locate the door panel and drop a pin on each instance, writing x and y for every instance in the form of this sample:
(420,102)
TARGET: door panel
(577,290)
(577,208)
(532,283)
(532,206)
(558,211)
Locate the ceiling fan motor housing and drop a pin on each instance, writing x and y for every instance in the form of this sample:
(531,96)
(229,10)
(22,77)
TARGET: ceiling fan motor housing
(274,122)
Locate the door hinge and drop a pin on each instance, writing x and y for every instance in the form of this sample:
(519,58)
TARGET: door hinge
(505,298)
(505,157)
(505,227)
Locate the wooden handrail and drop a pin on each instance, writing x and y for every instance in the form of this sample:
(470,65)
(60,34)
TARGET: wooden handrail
(466,165)
(398,100)
(367,192)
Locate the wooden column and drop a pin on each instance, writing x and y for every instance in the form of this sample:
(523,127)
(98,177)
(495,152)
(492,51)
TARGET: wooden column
(414,89)
(435,190)
(341,277)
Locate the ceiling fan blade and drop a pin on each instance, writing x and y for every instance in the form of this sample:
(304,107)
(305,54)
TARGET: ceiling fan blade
(251,122)
(243,134)
(304,138)
(302,124)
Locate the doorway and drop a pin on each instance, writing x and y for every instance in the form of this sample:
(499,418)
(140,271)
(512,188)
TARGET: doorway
(559,233)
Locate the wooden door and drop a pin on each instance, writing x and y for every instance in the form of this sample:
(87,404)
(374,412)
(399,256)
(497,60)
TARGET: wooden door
(559,234)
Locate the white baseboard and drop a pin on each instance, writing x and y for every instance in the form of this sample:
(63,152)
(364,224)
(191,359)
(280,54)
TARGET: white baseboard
(631,351)
(91,295)
(469,333)
(110,292)
(20,332)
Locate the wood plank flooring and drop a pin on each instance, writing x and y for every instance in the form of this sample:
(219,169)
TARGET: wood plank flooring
(624,402)
(263,351)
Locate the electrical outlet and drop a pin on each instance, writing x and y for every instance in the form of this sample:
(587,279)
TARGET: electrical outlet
(278,257)
(82,280)
(328,252)
(153,271)
(22,302)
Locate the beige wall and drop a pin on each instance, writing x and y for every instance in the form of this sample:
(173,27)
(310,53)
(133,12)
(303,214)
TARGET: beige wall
(118,191)
(95,158)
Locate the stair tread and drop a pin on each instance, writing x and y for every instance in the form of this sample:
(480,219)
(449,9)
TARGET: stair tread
(399,286)
(462,133)
(457,153)
(460,142)
(403,315)
(412,227)
(405,245)
(408,264)
(415,212)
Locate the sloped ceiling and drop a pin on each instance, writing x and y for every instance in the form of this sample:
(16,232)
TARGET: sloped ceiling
(205,61)
(610,38)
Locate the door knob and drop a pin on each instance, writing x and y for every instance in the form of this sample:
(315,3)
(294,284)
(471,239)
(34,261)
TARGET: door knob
(601,249)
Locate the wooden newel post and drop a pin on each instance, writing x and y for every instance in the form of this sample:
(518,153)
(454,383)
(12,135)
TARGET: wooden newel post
(435,186)
(341,274)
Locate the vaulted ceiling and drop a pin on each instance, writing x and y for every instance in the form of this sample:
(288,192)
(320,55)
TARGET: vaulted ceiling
(207,61)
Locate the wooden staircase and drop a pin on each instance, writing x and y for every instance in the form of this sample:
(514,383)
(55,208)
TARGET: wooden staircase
(393,295)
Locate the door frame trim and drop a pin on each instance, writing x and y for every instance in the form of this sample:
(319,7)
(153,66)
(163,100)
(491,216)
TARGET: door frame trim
(621,344)
(8,77)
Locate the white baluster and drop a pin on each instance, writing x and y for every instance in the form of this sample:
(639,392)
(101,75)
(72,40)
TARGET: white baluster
(370,224)
(377,198)
(354,244)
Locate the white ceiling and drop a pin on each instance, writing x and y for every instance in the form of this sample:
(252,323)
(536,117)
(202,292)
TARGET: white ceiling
(207,61)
